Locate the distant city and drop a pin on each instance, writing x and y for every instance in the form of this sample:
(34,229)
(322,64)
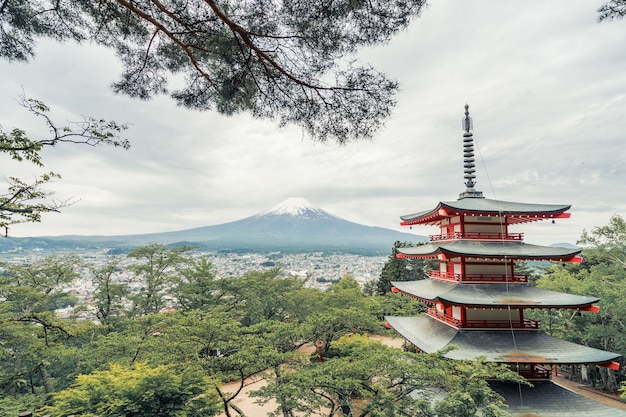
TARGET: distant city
(320,269)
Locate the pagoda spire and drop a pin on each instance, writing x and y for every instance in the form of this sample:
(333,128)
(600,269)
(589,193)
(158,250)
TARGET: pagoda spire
(468,157)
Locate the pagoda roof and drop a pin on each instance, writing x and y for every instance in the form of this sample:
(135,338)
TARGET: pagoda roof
(489,249)
(515,212)
(491,295)
(430,335)
(548,399)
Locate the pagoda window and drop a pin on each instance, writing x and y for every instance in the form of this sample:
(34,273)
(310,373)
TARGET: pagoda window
(457,313)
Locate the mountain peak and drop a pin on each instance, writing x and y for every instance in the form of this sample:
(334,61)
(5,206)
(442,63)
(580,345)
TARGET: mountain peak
(294,206)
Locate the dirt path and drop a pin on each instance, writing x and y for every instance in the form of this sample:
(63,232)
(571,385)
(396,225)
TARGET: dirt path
(602,397)
(251,408)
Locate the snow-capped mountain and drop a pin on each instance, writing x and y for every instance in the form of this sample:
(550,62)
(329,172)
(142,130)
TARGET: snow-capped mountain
(294,225)
(295,206)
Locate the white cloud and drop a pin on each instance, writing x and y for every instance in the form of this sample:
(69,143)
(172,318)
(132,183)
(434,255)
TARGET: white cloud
(545,83)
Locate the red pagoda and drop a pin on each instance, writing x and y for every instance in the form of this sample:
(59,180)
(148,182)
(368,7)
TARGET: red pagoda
(476,301)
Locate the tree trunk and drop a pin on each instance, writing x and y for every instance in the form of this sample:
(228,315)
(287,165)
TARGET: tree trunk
(583,374)
(609,379)
(45,378)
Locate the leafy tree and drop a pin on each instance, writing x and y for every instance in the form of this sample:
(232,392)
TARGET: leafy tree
(606,243)
(402,269)
(158,269)
(27,201)
(36,353)
(601,274)
(366,378)
(614,9)
(281,60)
(137,391)
(108,296)
(260,295)
(196,286)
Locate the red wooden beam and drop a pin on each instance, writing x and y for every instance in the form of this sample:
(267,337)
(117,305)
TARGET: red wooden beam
(610,364)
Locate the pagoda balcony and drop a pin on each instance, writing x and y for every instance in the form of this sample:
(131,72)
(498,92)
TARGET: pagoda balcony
(481,324)
(477,278)
(477,235)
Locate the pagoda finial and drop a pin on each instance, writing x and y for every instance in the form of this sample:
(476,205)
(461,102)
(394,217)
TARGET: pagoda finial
(467,121)
(468,157)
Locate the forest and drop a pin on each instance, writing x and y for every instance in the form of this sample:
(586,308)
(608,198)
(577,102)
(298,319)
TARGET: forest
(142,359)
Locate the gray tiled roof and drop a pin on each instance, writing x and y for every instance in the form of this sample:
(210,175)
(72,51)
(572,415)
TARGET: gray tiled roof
(498,249)
(491,294)
(486,205)
(508,346)
(547,399)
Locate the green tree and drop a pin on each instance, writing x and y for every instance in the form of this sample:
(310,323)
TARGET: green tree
(27,201)
(108,296)
(606,244)
(158,269)
(602,274)
(260,295)
(36,351)
(366,378)
(196,286)
(136,391)
(402,269)
(282,60)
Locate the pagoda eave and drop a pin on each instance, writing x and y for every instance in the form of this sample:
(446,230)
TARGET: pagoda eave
(513,346)
(492,295)
(489,250)
(513,212)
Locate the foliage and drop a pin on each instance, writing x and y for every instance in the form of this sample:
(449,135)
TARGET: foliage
(27,201)
(402,269)
(290,61)
(606,244)
(196,285)
(261,295)
(613,9)
(108,295)
(36,353)
(225,330)
(158,268)
(136,391)
(366,378)
(602,274)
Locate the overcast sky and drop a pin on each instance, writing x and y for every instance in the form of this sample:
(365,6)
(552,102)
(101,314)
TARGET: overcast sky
(546,86)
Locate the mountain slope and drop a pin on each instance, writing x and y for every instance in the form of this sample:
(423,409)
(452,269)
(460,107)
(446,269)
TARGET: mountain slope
(294,225)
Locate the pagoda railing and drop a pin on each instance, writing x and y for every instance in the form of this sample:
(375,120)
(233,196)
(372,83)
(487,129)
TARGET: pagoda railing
(522,278)
(536,373)
(501,324)
(432,312)
(482,324)
(477,235)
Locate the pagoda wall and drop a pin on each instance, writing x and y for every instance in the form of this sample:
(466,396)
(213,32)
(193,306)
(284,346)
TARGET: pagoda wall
(485,228)
(492,315)
(499,268)
(451,220)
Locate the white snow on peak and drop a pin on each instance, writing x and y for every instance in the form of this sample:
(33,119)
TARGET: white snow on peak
(294,206)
